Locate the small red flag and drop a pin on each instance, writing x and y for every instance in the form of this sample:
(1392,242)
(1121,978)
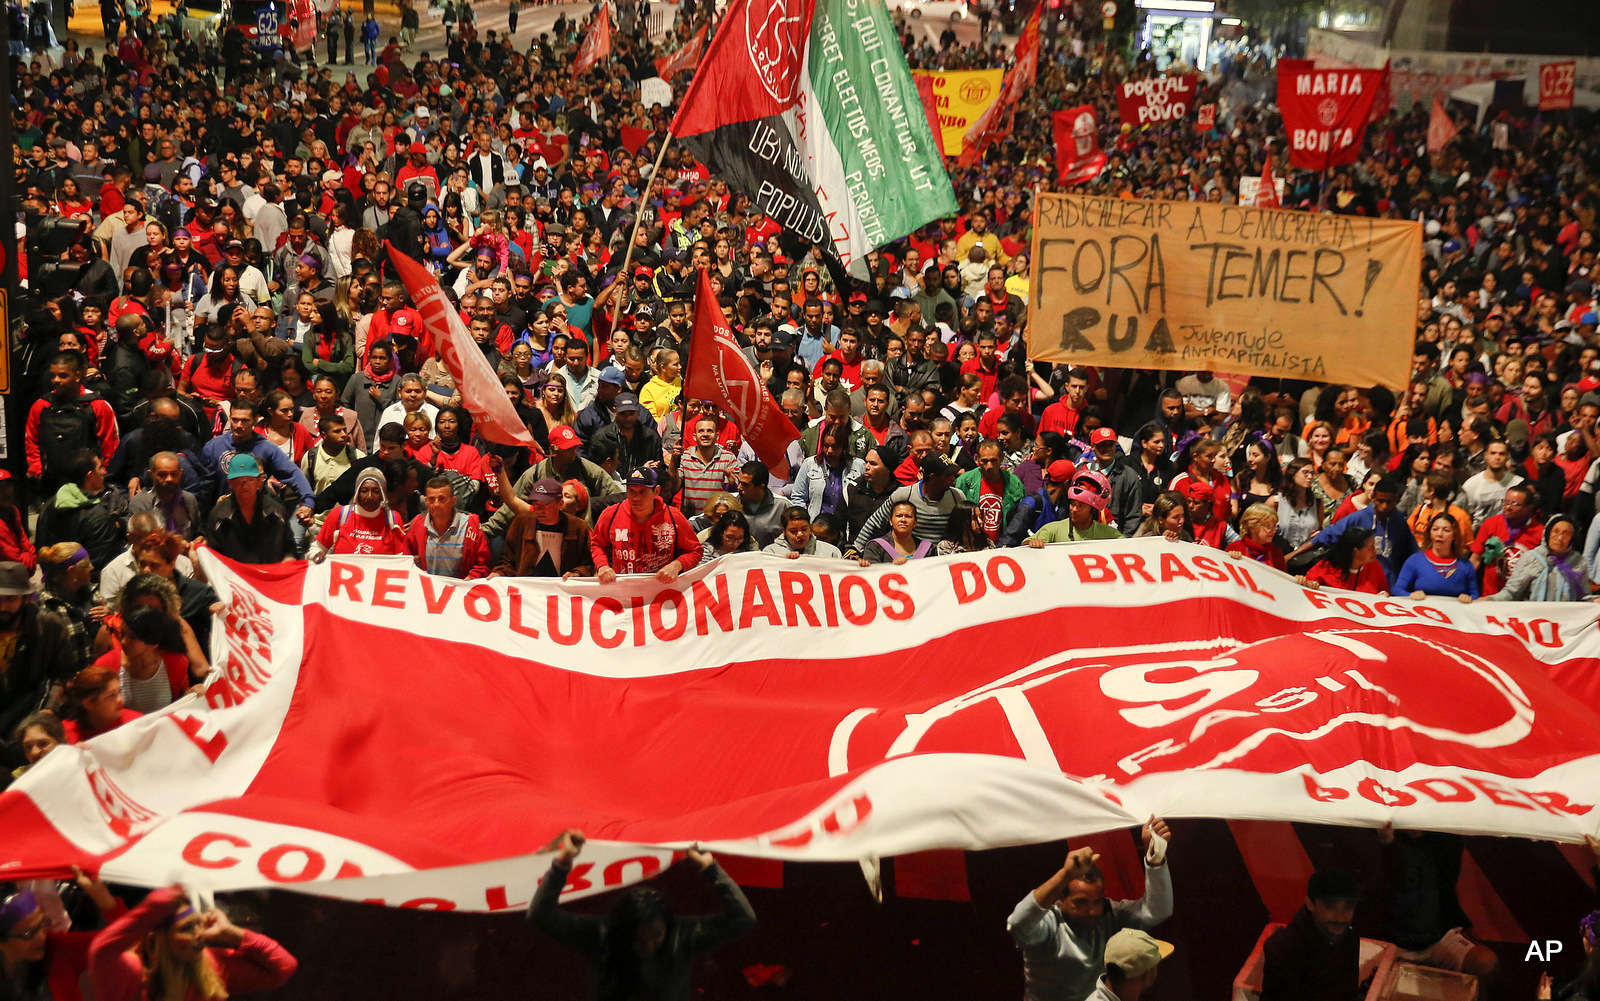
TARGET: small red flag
(1267,190)
(686,58)
(719,371)
(597,44)
(633,137)
(480,388)
(1440,128)
(1079,158)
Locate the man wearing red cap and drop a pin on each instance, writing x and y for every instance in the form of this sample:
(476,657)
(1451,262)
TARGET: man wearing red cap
(1042,506)
(418,168)
(1210,529)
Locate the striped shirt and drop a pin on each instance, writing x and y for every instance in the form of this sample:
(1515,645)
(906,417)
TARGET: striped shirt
(931,517)
(443,555)
(703,477)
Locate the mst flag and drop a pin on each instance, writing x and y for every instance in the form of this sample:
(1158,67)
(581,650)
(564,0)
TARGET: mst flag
(996,118)
(683,60)
(1326,112)
(805,710)
(1440,128)
(807,107)
(481,393)
(1079,158)
(1267,190)
(597,44)
(719,371)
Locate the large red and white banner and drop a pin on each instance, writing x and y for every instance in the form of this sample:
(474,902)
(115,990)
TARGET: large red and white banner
(1556,81)
(374,733)
(1326,111)
(1156,99)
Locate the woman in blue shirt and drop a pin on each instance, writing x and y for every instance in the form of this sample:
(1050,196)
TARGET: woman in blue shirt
(1439,570)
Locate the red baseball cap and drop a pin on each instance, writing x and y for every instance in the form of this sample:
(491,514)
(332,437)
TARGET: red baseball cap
(562,436)
(403,320)
(858,297)
(1102,434)
(1061,471)
(419,148)
(1194,489)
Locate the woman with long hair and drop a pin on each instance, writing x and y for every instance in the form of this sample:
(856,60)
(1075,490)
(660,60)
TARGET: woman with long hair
(1439,570)
(331,351)
(639,949)
(555,403)
(1260,477)
(1149,460)
(158,659)
(278,426)
(730,534)
(1351,564)
(1168,518)
(165,950)
(1318,438)
(1299,511)
(964,532)
(94,704)
(1358,499)
(1413,464)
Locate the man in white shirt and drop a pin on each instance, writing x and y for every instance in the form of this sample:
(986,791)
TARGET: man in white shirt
(412,396)
(1205,397)
(119,571)
(1485,493)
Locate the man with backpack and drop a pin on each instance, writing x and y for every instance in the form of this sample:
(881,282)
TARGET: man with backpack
(66,420)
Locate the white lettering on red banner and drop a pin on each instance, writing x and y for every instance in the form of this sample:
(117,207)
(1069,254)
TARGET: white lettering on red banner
(844,712)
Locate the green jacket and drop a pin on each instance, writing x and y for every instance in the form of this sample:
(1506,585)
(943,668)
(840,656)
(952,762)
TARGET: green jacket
(860,440)
(967,483)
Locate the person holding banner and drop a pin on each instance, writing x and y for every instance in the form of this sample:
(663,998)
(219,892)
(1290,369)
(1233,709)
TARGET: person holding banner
(643,534)
(1063,925)
(639,948)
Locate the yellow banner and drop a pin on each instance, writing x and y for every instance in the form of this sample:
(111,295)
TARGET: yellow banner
(960,97)
(1195,286)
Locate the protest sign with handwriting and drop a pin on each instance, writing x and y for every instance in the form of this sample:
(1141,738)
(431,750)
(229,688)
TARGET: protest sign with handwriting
(1195,286)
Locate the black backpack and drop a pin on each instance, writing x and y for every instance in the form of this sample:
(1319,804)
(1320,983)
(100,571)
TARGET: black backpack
(65,428)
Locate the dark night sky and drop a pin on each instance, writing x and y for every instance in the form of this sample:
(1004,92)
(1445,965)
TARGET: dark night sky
(1536,27)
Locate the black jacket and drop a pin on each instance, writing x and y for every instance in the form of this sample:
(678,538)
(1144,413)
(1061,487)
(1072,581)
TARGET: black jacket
(45,655)
(665,977)
(1301,965)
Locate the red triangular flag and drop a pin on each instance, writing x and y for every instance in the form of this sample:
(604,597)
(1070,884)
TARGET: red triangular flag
(930,108)
(1440,128)
(1267,190)
(633,137)
(683,60)
(597,44)
(480,388)
(719,371)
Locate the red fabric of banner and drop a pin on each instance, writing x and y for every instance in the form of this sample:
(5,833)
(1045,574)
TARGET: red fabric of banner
(1326,112)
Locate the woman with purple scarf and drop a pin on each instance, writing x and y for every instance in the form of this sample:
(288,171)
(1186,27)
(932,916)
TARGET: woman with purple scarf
(1553,571)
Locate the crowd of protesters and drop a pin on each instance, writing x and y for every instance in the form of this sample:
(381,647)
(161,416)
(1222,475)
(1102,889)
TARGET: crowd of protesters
(233,363)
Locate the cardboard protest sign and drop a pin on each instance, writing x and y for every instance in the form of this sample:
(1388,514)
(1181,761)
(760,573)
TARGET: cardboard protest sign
(961,97)
(1131,283)
(1157,99)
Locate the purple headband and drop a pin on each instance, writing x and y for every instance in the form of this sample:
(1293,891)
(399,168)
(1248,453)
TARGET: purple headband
(1589,928)
(176,916)
(16,907)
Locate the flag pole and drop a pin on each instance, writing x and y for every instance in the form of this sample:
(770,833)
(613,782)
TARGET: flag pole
(633,238)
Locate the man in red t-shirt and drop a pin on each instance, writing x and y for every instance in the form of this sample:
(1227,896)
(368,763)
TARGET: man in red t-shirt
(1062,416)
(643,534)
(849,355)
(1014,400)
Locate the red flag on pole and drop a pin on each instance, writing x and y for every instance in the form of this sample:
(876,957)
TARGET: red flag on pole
(1267,190)
(1440,128)
(686,58)
(719,371)
(1079,158)
(480,388)
(596,44)
(996,119)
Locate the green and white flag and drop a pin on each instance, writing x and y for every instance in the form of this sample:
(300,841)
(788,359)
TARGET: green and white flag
(808,107)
